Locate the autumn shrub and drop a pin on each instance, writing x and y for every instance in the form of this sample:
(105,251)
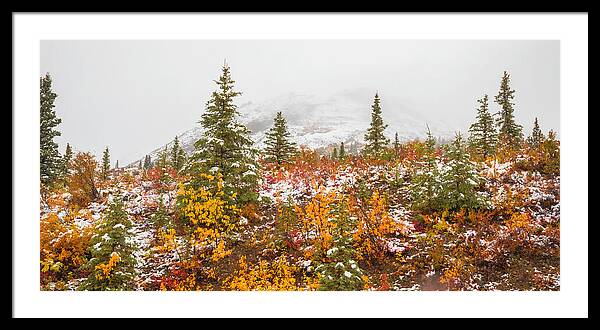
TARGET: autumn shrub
(181,276)
(316,225)
(277,275)
(286,226)
(373,226)
(63,247)
(81,181)
(211,219)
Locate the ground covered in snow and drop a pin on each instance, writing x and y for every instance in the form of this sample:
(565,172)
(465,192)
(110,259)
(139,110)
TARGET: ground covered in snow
(512,245)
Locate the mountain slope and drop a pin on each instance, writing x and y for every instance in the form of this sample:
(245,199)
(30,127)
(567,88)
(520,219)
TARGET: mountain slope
(319,122)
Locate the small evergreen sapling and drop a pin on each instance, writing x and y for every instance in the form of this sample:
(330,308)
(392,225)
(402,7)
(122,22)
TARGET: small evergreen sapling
(112,266)
(537,137)
(460,179)
(340,271)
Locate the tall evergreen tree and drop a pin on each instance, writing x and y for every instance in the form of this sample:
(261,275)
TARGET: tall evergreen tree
(279,147)
(178,155)
(105,164)
(112,264)
(510,133)
(51,164)
(225,146)
(374,138)
(334,154)
(396,143)
(537,137)
(460,178)
(342,151)
(482,139)
(117,164)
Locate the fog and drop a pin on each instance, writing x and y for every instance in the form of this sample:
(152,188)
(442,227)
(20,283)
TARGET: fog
(134,96)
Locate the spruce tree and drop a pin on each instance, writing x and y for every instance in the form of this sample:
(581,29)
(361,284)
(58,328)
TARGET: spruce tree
(105,164)
(460,179)
(147,162)
(374,138)
(112,266)
(178,155)
(482,139)
(117,164)
(551,154)
(537,137)
(279,147)
(396,143)
(510,133)
(334,155)
(67,160)
(225,146)
(342,151)
(425,186)
(51,164)
(341,272)
(162,160)
(160,219)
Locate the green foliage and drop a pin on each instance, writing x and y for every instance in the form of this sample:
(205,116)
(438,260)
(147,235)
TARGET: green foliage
(112,264)
(551,155)
(340,271)
(334,154)
(374,138)
(225,146)
(536,138)
(162,160)
(147,162)
(66,160)
(342,154)
(161,218)
(425,187)
(460,179)
(510,133)
(178,155)
(105,164)
(51,164)
(279,148)
(482,139)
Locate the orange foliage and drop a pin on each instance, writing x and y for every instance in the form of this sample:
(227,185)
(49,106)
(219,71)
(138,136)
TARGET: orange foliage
(82,179)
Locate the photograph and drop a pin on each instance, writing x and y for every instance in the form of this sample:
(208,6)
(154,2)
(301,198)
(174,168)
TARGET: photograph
(299,165)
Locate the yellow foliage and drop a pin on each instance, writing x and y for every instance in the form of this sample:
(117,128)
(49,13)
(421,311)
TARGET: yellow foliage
(374,224)
(211,216)
(316,220)
(265,276)
(62,244)
(105,269)
(168,240)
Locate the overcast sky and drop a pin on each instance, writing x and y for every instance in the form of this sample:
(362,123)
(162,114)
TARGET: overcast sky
(134,96)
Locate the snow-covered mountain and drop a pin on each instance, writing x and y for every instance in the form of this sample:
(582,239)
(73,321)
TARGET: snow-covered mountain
(319,122)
